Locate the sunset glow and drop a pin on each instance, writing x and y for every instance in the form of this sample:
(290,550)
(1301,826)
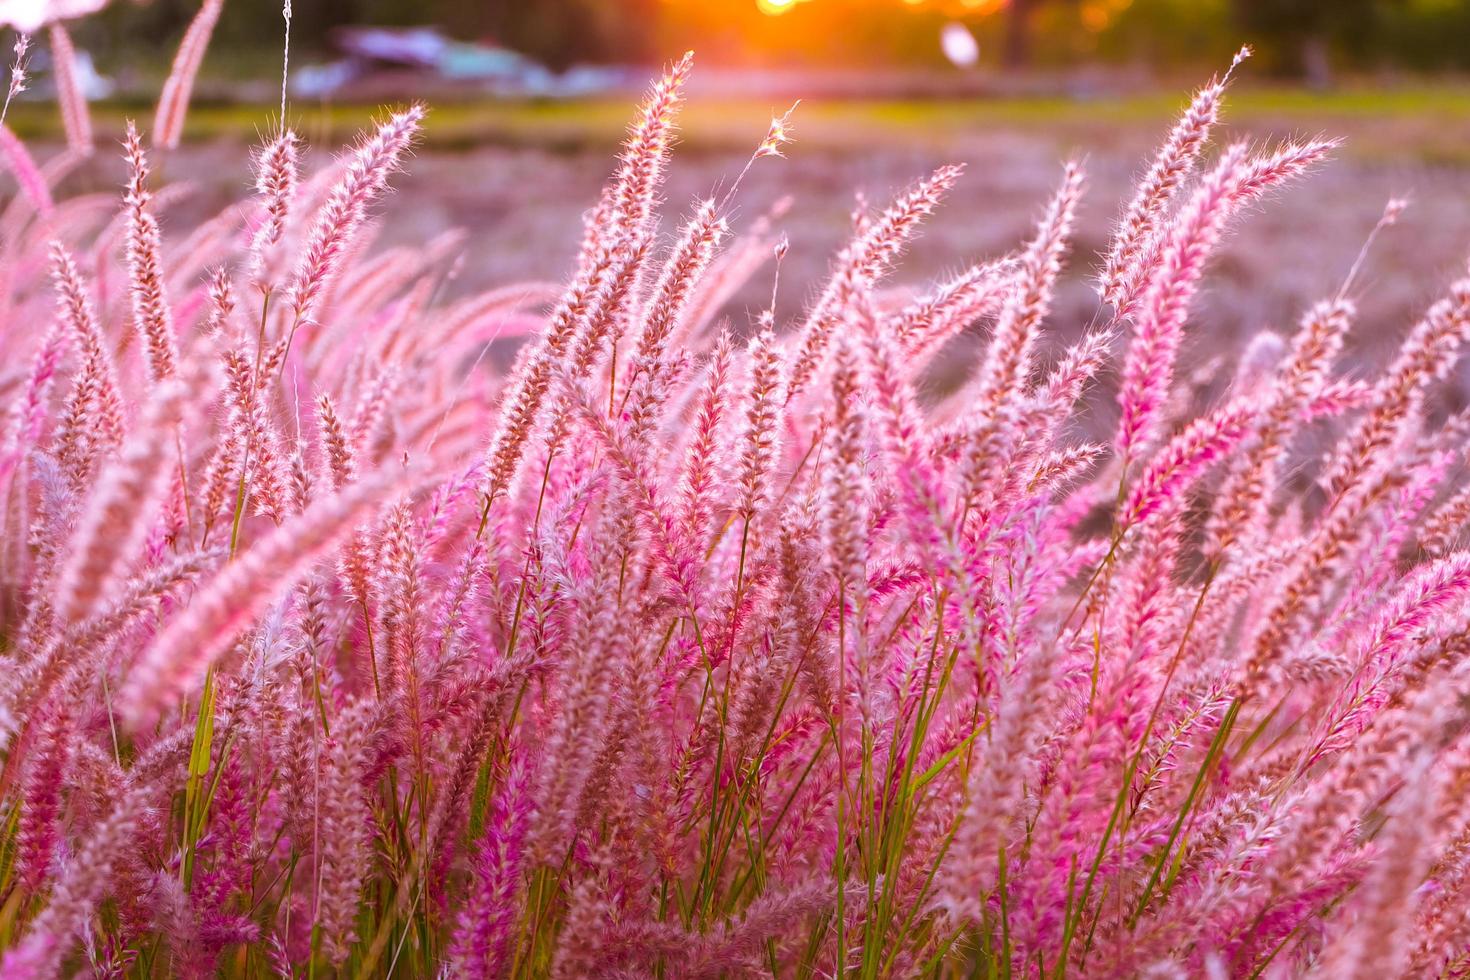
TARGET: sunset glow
(969,8)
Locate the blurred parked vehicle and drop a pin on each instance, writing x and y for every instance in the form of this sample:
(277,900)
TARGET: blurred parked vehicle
(375,56)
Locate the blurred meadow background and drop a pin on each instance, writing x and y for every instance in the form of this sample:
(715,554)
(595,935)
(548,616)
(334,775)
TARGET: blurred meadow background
(529,99)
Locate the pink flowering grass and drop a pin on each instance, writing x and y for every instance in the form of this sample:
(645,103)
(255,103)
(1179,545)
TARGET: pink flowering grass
(691,647)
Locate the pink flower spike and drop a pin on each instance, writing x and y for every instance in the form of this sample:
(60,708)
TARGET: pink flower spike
(173,103)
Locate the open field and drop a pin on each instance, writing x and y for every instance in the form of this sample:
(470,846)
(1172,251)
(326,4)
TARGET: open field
(519,176)
(1423,119)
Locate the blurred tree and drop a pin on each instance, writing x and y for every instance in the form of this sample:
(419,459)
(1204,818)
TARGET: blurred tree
(561,32)
(1298,35)
(1020,29)
(1427,33)
(1172,35)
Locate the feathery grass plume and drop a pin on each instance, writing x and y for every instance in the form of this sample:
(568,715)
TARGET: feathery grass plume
(339,454)
(344,836)
(778,135)
(688,262)
(397,587)
(871,253)
(760,441)
(40,808)
(845,491)
(702,460)
(1005,376)
(30,178)
(1385,902)
(484,932)
(1126,268)
(1443,528)
(1431,591)
(1427,355)
(263,457)
(92,422)
(86,881)
(1240,508)
(1203,442)
(579,731)
(127,495)
(522,402)
(845,519)
(614,230)
(742,944)
(1007,367)
(236,596)
(646,151)
(76,118)
(17,83)
(1313,571)
(924,325)
(173,101)
(977,861)
(152,316)
(1068,380)
(1158,328)
(276,177)
(28,416)
(899,423)
(340,218)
